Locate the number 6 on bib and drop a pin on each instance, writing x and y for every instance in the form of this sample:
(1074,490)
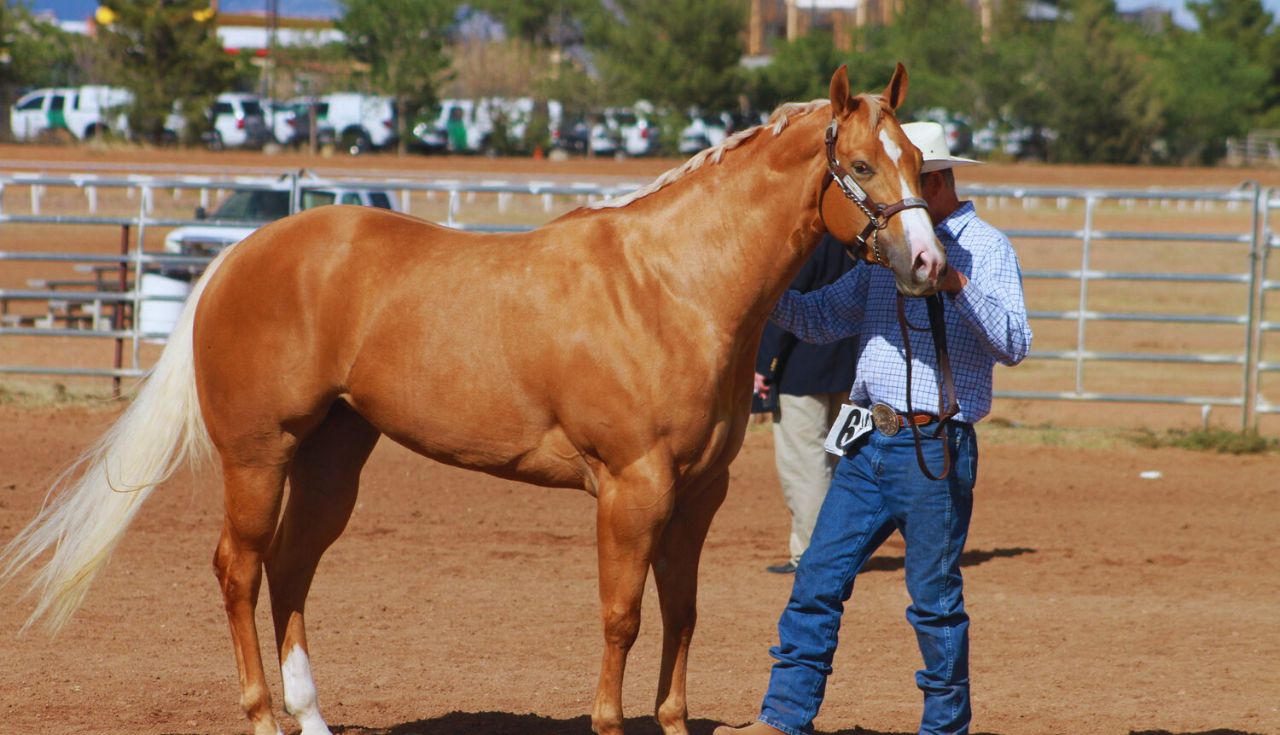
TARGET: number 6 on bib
(853,422)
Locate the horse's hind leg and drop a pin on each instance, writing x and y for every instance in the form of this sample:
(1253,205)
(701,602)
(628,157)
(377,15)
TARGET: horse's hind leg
(253,496)
(675,569)
(323,484)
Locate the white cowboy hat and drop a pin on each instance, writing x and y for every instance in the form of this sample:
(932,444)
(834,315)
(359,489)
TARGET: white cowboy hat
(931,139)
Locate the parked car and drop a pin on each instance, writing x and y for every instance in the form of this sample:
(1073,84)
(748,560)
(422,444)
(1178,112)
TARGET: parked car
(360,122)
(282,119)
(248,209)
(291,123)
(470,126)
(237,121)
(581,133)
(704,131)
(85,112)
(958,131)
(1020,142)
(637,136)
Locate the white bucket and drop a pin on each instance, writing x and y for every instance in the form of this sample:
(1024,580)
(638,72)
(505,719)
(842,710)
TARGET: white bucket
(159,317)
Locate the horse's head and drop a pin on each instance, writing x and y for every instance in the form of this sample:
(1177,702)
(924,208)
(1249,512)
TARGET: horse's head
(876,203)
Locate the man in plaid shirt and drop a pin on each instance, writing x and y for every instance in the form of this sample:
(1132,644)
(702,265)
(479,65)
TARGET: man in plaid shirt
(879,485)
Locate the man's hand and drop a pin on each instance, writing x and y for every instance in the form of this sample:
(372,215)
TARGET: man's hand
(761,386)
(952,281)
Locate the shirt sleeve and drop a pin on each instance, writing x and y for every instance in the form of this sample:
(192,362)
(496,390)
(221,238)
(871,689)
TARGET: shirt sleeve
(992,301)
(831,313)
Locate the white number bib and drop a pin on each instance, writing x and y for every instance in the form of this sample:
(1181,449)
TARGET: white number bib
(853,422)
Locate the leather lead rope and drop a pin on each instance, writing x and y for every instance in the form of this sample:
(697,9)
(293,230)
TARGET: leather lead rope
(947,388)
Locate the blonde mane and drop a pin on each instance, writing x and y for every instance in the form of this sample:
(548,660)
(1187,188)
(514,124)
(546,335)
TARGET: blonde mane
(777,122)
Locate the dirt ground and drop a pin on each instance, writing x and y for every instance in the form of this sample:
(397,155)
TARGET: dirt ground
(458,603)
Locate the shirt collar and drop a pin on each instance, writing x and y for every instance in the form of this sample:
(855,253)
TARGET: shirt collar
(955,222)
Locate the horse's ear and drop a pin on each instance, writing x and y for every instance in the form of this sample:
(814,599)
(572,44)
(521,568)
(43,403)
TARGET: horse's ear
(840,99)
(896,92)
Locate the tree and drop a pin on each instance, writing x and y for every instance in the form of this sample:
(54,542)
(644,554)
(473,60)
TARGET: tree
(1011,90)
(540,23)
(402,44)
(940,43)
(1246,26)
(1211,91)
(32,54)
(1101,100)
(679,55)
(168,55)
(799,70)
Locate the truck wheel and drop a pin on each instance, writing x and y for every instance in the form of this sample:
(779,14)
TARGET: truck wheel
(355,141)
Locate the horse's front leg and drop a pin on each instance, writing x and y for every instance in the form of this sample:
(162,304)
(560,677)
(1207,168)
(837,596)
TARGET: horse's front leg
(632,511)
(675,569)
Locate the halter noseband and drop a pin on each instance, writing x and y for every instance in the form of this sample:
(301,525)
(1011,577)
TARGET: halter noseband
(877,214)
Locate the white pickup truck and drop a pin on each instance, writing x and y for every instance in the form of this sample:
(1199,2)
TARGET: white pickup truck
(84,112)
(248,209)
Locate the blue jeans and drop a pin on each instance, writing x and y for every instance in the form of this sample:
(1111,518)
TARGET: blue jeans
(878,489)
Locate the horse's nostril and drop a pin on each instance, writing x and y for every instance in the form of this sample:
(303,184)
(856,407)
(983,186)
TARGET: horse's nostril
(926,267)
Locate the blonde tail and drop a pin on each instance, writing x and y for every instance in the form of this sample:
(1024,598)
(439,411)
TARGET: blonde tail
(95,499)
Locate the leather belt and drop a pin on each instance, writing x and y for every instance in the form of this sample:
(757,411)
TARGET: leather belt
(889,422)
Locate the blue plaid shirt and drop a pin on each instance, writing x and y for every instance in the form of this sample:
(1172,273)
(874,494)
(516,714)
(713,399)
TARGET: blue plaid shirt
(986,322)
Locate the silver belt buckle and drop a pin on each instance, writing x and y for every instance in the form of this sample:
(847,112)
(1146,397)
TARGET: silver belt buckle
(885,419)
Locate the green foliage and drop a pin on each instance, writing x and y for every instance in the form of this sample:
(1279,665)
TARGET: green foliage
(680,55)
(540,22)
(32,54)
(1102,98)
(1209,440)
(574,88)
(1099,87)
(403,45)
(165,54)
(1203,77)
(940,42)
(800,70)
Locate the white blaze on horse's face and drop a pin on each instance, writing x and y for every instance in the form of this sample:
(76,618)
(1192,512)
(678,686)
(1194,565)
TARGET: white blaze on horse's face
(926,253)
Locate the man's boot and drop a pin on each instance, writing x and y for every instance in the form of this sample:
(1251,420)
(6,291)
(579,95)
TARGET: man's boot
(755,728)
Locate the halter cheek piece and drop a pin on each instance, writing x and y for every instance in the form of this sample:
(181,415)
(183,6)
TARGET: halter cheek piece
(877,214)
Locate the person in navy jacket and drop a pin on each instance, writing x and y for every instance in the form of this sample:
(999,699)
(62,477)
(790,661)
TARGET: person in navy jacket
(803,385)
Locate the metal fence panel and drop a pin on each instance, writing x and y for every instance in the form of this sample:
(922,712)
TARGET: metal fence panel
(124,304)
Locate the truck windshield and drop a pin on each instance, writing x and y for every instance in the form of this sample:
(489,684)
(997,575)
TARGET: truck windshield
(254,206)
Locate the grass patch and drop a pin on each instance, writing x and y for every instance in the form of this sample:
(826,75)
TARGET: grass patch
(47,395)
(1010,433)
(1221,441)
(1000,431)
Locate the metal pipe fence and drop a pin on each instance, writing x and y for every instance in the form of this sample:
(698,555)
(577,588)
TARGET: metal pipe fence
(1241,201)
(1267,323)
(113,313)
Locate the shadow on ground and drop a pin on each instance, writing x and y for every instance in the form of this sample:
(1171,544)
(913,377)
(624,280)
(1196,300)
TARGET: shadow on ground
(507,723)
(970,558)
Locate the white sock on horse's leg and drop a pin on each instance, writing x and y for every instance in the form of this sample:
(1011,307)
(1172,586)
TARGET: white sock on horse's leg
(300,693)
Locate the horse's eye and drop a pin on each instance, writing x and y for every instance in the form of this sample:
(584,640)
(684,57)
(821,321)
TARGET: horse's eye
(862,169)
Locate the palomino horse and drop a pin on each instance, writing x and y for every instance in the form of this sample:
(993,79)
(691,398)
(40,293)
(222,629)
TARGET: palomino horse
(610,350)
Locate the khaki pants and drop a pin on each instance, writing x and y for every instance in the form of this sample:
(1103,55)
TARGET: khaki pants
(799,427)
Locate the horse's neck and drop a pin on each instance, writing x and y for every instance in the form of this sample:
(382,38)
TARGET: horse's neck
(744,227)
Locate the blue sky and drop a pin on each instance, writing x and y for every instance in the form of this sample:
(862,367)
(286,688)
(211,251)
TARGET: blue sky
(81,9)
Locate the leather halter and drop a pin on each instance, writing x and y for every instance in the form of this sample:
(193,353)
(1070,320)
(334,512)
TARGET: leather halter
(877,214)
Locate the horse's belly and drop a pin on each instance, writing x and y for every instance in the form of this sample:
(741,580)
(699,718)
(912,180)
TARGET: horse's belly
(491,431)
